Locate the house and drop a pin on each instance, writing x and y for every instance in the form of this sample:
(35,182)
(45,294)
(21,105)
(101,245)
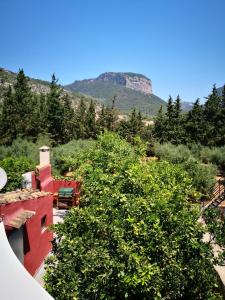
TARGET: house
(28,213)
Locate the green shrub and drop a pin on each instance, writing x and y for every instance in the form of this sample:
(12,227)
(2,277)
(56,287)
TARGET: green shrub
(24,148)
(203,176)
(63,155)
(14,168)
(215,156)
(172,153)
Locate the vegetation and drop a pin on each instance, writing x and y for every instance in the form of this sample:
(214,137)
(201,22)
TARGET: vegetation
(203,175)
(127,99)
(136,236)
(26,115)
(204,124)
(14,168)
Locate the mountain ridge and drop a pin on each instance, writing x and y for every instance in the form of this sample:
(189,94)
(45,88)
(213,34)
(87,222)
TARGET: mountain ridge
(131,90)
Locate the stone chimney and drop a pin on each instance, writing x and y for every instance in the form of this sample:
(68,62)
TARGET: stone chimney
(44,156)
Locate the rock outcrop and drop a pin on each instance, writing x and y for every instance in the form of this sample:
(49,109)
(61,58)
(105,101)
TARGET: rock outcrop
(133,81)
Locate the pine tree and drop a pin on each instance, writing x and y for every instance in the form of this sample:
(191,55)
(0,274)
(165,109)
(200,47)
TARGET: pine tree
(133,123)
(55,111)
(170,109)
(110,116)
(43,113)
(80,120)
(169,121)
(91,127)
(177,107)
(223,97)
(212,112)
(18,111)
(159,126)
(178,135)
(38,119)
(195,124)
(68,119)
(25,104)
(140,124)
(8,126)
(221,129)
(101,122)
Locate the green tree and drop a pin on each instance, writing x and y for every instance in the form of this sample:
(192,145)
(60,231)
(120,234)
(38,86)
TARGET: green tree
(178,123)
(221,129)
(80,119)
(195,124)
(91,125)
(212,112)
(18,111)
(170,109)
(55,120)
(68,119)
(111,116)
(101,120)
(25,104)
(8,129)
(15,167)
(159,126)
(135,235)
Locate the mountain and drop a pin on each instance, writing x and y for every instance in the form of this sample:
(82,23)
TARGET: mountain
(220,90)
(186,106)
(37,86)
(131,90)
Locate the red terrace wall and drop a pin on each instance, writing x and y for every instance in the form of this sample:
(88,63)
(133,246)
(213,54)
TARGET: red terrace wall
(39,241)
(48,184)
(44,179)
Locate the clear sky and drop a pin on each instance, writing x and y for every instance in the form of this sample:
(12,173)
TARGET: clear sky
(179,44)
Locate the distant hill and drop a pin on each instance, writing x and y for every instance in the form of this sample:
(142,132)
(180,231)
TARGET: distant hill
(131,90)
(220,90)
(186,106)
(37,86)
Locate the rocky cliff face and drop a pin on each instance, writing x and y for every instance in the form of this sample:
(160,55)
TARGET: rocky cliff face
(133,81)
(8,78)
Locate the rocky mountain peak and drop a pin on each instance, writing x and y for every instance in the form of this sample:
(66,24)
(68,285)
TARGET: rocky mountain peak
(133,81)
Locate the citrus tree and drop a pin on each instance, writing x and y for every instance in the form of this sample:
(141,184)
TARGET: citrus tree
(135,235)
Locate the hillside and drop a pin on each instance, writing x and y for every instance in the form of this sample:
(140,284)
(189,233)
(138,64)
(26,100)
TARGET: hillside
(220,90)
(131,90)
(186,106)
(37,86)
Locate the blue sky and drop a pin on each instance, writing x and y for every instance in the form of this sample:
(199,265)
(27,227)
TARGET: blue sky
(179,44)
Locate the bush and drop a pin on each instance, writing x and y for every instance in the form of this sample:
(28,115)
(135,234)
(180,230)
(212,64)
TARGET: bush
(63,154)
(203,176)
(136,236)
(215,156)
(24,148)
(172,153)
(14,168)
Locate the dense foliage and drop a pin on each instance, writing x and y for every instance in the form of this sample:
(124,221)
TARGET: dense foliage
(135,235)
(203,124)
(202,174)
(14,168)
(27,115)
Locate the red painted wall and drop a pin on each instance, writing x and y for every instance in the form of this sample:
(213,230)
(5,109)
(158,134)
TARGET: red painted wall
(49,184)
(39,241)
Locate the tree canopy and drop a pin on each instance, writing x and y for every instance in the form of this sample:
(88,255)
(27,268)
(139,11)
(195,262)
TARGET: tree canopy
(135,236)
